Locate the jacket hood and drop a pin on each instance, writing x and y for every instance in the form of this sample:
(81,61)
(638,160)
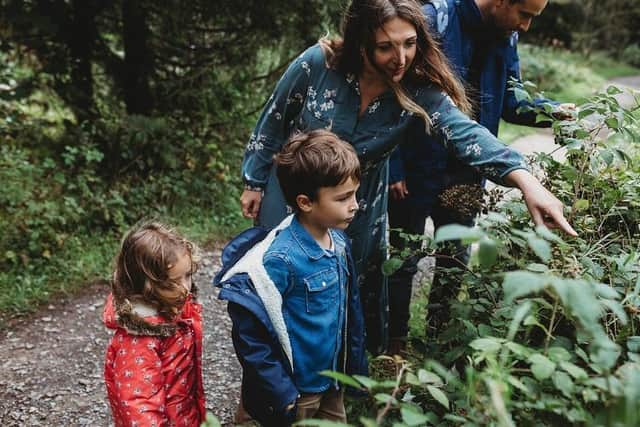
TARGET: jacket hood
(243,255)
(139,318)
(237,248)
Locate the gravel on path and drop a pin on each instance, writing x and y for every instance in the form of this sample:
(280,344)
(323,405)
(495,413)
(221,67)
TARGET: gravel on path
(51,363)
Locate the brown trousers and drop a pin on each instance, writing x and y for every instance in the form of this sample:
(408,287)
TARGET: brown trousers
(324,406)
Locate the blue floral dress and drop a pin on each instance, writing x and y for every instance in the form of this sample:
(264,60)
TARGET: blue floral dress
(311,95)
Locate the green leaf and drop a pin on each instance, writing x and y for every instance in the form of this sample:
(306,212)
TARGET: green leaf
(426,377)
(633,344)
(384,398)
(613,90)
(518,349)
(547,234)
(486,345)
(521,94)
(537,268)
(367,382)
(573,144)
(518,384)
(607,156)
(542,118)
(559,354)
(612,122)
(344,379)
(540,247)
(458,232)
(520,283)
(617,309)
(487,252)
(581,205)
(541,366)
(413,418)
(391,265)
(211,421)
(411,378)
(563,382)
(368,422)
(438,395)
(520,313)
(575,371)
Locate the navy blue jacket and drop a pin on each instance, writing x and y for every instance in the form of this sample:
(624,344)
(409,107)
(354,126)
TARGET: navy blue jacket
(267,382)
(458,26)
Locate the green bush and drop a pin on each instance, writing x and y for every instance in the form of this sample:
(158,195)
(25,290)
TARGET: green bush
(631,54)
(545,330)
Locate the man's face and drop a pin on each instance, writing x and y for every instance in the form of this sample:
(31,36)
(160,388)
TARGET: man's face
(509,17)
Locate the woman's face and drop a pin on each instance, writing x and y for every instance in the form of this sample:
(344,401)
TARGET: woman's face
(394,50)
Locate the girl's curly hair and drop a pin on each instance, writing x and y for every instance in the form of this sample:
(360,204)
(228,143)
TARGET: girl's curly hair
(147,253)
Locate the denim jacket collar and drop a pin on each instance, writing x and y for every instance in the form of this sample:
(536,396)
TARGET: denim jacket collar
(308,244)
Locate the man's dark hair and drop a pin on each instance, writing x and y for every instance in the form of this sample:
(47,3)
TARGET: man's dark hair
(313,160)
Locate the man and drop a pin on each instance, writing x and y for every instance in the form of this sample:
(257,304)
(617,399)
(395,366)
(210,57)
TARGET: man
(480,38)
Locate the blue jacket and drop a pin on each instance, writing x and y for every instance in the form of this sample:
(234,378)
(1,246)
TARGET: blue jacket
(458,26)
(313,283)
(259,333)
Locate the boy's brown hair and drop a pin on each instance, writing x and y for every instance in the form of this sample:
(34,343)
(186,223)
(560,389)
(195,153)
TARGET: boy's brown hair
(313,160)
(141,273)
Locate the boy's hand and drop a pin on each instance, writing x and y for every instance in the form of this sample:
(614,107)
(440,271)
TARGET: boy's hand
(250,203)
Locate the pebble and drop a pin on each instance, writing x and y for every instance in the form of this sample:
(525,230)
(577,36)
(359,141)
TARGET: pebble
(62,384)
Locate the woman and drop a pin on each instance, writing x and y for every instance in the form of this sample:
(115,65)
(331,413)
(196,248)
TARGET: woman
(383,83)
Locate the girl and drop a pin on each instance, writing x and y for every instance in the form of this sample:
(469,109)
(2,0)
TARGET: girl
(153,363)
(384,82)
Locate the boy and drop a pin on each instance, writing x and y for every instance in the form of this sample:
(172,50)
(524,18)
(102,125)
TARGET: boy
(292,293)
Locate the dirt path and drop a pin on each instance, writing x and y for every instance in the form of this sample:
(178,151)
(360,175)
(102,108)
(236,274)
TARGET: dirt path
(51,364)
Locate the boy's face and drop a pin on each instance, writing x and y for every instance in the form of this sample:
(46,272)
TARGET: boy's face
(334,207)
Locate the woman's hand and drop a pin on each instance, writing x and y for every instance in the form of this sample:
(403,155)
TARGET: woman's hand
(398,190)
(545,208)
(250,203)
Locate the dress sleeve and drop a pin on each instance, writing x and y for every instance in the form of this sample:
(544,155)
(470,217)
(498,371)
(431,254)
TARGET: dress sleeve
(470,142)
(139,382)
(277,118)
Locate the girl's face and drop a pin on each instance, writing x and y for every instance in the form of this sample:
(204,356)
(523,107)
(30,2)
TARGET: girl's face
(180,272)
(395,49)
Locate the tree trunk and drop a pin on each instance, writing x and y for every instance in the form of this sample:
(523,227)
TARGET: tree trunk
(81,40)
(138,61)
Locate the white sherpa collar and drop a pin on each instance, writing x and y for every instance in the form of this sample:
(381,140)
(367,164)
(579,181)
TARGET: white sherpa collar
(251,264)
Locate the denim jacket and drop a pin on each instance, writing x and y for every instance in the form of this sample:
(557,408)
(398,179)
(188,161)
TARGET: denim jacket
(313,283)
(265,336)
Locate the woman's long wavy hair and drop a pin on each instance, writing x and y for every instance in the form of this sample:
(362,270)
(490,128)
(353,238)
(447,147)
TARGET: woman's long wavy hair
(141,273)
(430,66)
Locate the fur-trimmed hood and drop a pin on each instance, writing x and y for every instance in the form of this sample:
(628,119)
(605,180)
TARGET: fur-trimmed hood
(139,318)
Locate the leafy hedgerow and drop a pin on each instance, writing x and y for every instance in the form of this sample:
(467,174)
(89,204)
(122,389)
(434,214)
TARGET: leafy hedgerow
(545,330)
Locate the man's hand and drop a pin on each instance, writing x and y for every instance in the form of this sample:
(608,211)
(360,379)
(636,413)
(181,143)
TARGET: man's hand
(398,190)
(250,203)
(544,207)
(565,111)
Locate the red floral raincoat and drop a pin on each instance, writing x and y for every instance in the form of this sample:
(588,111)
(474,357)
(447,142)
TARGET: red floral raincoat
(153,369)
